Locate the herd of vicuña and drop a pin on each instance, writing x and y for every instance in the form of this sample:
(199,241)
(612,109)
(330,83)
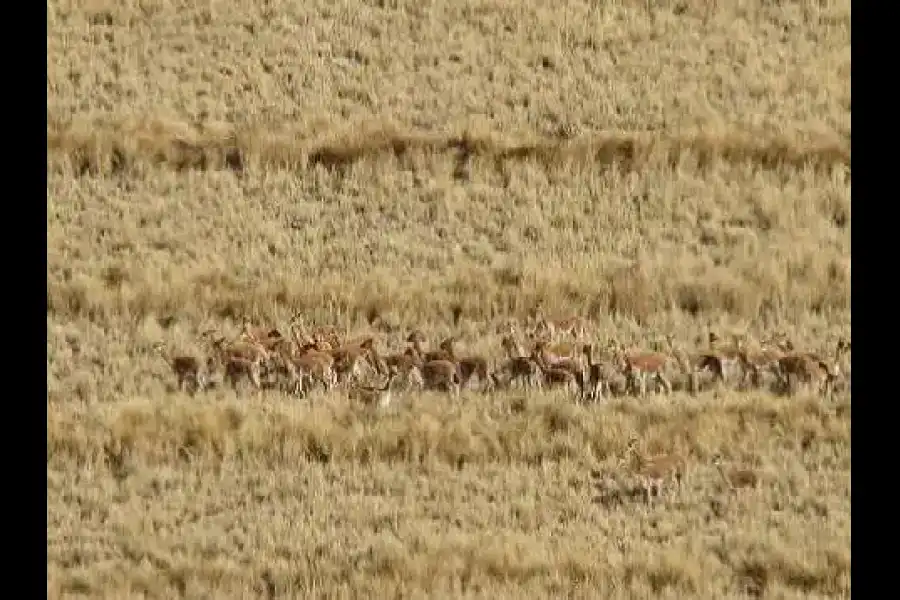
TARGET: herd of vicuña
(547,354)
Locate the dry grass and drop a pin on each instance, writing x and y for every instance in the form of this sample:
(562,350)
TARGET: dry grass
(658,171)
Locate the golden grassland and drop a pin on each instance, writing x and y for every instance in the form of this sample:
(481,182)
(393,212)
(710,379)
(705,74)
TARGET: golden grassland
(658,168)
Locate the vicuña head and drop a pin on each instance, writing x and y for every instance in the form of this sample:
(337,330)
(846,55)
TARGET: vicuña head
(415,336)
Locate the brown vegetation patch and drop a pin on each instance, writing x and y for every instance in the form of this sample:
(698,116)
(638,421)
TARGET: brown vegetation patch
(103,147)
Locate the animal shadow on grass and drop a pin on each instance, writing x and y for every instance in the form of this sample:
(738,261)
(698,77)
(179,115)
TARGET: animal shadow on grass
(613,493)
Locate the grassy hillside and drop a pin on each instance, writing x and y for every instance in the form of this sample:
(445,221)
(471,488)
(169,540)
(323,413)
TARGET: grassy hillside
(658,169)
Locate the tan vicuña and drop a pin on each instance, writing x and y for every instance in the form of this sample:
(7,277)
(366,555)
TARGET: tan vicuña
(190,372)
(654,471)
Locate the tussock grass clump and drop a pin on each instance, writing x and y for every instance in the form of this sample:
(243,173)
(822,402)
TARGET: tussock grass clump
(101,147)
(426,430)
